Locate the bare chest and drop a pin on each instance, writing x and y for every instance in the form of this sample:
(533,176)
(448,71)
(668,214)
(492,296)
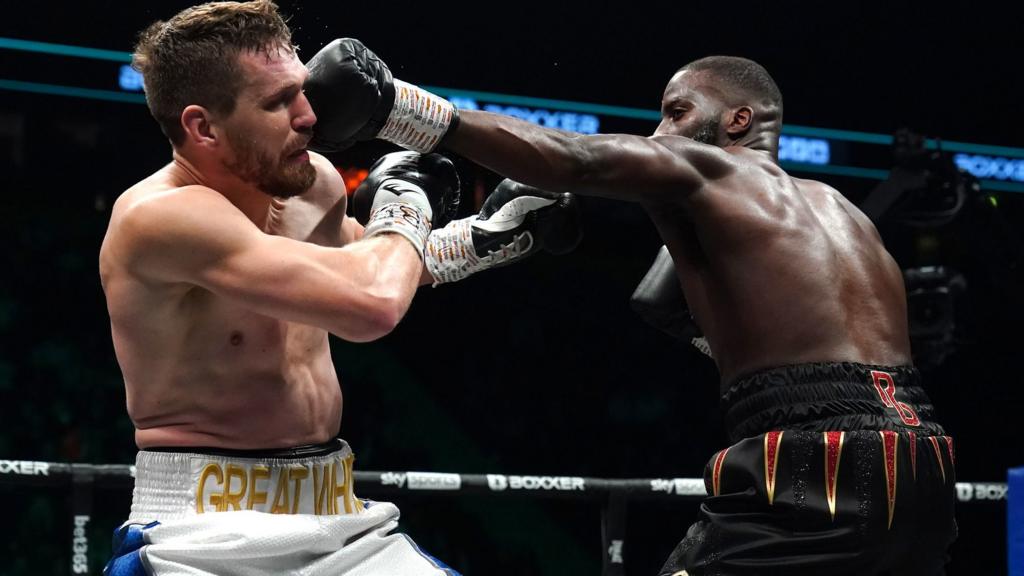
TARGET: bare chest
(315,220)
(237,336)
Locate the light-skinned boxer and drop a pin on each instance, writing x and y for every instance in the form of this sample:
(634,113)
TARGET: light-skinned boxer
(224,272)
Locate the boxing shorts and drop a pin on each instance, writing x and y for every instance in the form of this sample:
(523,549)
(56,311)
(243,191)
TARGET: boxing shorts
(209,511)
(837,468)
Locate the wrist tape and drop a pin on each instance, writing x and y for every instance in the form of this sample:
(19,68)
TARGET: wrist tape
(403,219)
(418,119)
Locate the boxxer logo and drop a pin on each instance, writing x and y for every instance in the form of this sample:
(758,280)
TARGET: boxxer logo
(966,492)
(26,468)
(499,482)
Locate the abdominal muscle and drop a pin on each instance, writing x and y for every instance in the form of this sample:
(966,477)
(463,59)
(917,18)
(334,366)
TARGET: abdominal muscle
(229,378)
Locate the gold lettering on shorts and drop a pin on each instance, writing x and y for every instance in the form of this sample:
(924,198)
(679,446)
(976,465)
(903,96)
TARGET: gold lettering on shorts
(225,486)
(280,505)
(234,499)
(349,497)
(208,470)
(320,483)
(255,496)
(297,474)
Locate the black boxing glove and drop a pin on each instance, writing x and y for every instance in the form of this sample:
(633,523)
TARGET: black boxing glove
(514,222)
(355,98)
(404,193)
(660,301)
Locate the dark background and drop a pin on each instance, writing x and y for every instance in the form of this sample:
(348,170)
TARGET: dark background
(539,368)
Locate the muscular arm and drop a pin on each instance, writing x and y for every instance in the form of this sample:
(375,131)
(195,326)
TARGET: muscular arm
(618,166)
(194,236)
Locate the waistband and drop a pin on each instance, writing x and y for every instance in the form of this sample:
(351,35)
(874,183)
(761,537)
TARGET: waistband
(829,396)
(182,482)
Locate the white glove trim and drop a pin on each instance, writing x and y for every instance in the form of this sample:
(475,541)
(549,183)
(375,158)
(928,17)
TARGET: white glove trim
(512,213)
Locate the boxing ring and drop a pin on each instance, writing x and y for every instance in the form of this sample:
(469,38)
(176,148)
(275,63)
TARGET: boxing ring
(83,481)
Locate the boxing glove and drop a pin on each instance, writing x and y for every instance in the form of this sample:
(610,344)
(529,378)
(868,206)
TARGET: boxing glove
(405,193)
(514,222)
(356,98)
(660,301)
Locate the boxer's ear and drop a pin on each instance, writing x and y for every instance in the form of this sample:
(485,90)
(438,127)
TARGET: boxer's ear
(739,121)
(197,123)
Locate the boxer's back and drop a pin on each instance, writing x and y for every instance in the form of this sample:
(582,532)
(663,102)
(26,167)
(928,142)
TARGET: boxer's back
(780,271)
(200,370)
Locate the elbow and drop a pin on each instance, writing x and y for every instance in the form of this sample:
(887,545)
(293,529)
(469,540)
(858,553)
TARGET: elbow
(387,316)
(378,317)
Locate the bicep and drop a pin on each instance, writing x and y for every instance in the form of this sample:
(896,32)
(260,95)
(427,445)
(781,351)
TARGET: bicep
(642,169)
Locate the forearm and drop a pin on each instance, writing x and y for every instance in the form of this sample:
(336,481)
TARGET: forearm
(359,292)
(616,166)
(538,156)
(375,281)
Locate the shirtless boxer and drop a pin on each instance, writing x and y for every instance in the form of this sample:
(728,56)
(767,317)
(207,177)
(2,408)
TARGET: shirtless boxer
(838,466)
(225,270)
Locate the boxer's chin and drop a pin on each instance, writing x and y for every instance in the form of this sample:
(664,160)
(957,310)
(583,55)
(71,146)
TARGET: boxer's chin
(291,179)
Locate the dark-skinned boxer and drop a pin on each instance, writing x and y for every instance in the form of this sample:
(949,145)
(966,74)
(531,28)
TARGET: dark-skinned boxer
(838,465)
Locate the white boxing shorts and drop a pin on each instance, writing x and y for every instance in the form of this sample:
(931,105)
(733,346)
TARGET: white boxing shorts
(260,513)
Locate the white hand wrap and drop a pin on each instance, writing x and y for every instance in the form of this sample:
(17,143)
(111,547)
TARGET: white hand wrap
(400,218)
(418,118)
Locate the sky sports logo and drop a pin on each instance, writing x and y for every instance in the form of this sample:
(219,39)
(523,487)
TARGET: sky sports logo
(422,480)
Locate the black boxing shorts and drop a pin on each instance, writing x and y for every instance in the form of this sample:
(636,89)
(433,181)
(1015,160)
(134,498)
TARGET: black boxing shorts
(837,469)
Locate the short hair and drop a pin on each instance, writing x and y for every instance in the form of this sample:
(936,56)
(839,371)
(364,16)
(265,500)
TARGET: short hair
(740,75)
(193,57)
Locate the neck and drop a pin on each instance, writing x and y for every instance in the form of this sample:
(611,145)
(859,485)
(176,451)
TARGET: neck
(246,197)
(766,139)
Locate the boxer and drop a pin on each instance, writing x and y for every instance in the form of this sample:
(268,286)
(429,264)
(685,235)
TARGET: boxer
(838,465)
(225,270)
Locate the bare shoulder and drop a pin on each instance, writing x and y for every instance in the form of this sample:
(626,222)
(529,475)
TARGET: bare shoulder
(329,185)
(712,162)
(819,192)
(820,189)
(148,209)
(154,226)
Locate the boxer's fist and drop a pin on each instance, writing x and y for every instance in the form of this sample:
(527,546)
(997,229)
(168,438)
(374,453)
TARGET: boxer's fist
(660,301)
(552,219)
(404,193)
(351,91)
(515,221)
(355,98)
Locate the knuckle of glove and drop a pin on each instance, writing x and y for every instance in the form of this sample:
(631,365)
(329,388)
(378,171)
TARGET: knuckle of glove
(394,165)
(348,89)
(446,187)
(508,190)
(434,174)
(560,228)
